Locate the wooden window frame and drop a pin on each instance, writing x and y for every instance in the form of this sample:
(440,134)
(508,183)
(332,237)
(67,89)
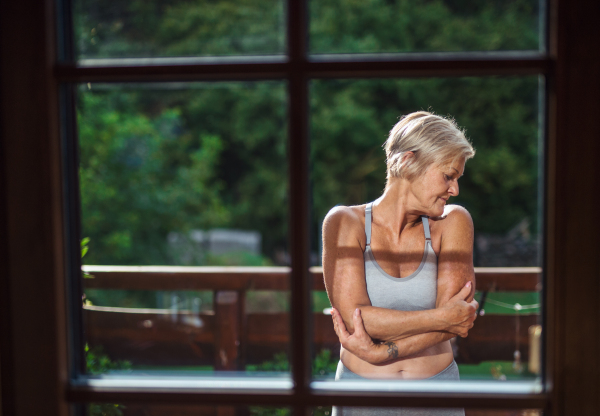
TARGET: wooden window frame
(35,371)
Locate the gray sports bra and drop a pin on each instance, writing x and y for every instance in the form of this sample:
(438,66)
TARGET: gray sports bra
(412,293)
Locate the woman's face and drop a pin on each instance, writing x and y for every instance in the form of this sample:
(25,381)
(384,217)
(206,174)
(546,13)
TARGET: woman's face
(433,189)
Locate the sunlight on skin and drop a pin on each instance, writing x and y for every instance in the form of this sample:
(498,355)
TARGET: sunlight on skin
(385,342)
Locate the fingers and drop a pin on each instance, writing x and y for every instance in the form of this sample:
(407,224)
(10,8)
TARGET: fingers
(335,327)
(469,323)
(339,326)
(359,326)
(464,292)
(475,305)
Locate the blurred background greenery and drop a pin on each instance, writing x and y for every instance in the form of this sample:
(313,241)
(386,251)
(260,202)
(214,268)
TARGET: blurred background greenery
(159,161)
(174,28)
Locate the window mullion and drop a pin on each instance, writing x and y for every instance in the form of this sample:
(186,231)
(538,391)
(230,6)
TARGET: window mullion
(298,154)
(325,66)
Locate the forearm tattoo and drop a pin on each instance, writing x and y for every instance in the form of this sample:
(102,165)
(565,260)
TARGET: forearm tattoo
(392,349)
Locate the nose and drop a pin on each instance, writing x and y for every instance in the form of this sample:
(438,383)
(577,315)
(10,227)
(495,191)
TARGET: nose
(453,190)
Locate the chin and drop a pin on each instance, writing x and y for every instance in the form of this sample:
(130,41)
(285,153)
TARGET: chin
(438,212)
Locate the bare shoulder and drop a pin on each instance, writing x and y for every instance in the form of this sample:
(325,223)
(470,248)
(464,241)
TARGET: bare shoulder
(455,219)
(345,222)
(458,215)
(345,216)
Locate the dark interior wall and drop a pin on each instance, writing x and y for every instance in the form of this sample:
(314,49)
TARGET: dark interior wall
(573,260)
(5,390)
(33,338)
(32,333)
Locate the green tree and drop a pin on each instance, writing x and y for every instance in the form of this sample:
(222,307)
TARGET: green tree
(157,159)
(132,192)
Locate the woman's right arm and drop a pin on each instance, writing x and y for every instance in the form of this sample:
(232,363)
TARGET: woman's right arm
(361,345)
(343,271)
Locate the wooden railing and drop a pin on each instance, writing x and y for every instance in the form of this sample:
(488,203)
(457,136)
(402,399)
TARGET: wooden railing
(228,338)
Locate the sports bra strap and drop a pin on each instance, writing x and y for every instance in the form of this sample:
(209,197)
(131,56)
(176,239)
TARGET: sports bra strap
(426,227)
(368,210)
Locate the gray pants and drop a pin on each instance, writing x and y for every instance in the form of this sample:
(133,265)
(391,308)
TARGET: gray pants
(449,373)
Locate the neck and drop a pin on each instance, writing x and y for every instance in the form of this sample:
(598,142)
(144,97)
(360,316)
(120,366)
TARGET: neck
(395,207)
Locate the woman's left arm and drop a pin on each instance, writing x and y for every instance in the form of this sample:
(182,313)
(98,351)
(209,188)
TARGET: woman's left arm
(455,273)
(455,261)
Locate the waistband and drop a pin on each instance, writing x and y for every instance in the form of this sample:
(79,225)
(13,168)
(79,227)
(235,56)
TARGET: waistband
(448,373)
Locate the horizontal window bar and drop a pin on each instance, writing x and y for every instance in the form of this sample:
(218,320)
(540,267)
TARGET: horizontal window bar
(442,66)
(427,56)
(427,387)
(339,57)
(317,67)
(229,382)
(188,72)
(278,391)
(171,61)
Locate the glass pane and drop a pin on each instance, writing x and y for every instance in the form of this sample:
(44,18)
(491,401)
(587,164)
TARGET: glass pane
(178,28)
(350,120)
(375,26)
(184,226)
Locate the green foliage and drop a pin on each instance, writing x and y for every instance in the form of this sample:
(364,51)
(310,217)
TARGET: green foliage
(84,249)
(354,26)
(323,364)
(105,409)
(163,158)
(279,362)
(495,370)
(322,411)
(110,28)
(133,193)
(84,246)
(99,363)
(269,411)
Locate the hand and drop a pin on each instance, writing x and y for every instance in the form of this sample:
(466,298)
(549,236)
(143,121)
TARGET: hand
(360,343)
(458,314)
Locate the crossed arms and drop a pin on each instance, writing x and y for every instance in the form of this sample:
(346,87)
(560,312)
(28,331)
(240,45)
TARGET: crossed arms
(378,335)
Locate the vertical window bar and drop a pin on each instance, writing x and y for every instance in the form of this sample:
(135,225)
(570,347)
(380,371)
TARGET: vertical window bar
(298,154)
(64,32)
(72,221)
(543,175)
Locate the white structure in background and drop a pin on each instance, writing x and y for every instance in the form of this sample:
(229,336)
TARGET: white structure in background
(191,249)
(221,241)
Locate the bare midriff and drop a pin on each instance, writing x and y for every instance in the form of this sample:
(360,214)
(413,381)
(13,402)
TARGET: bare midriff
(424,364)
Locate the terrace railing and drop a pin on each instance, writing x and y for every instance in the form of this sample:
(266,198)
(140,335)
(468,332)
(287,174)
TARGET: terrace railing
(228,338)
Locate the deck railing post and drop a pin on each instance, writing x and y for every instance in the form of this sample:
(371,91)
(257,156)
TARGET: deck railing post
(228,329)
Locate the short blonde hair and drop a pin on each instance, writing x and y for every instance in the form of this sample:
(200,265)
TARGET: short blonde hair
(432,139)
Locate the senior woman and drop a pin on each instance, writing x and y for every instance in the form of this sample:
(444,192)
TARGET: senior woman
(399,270)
